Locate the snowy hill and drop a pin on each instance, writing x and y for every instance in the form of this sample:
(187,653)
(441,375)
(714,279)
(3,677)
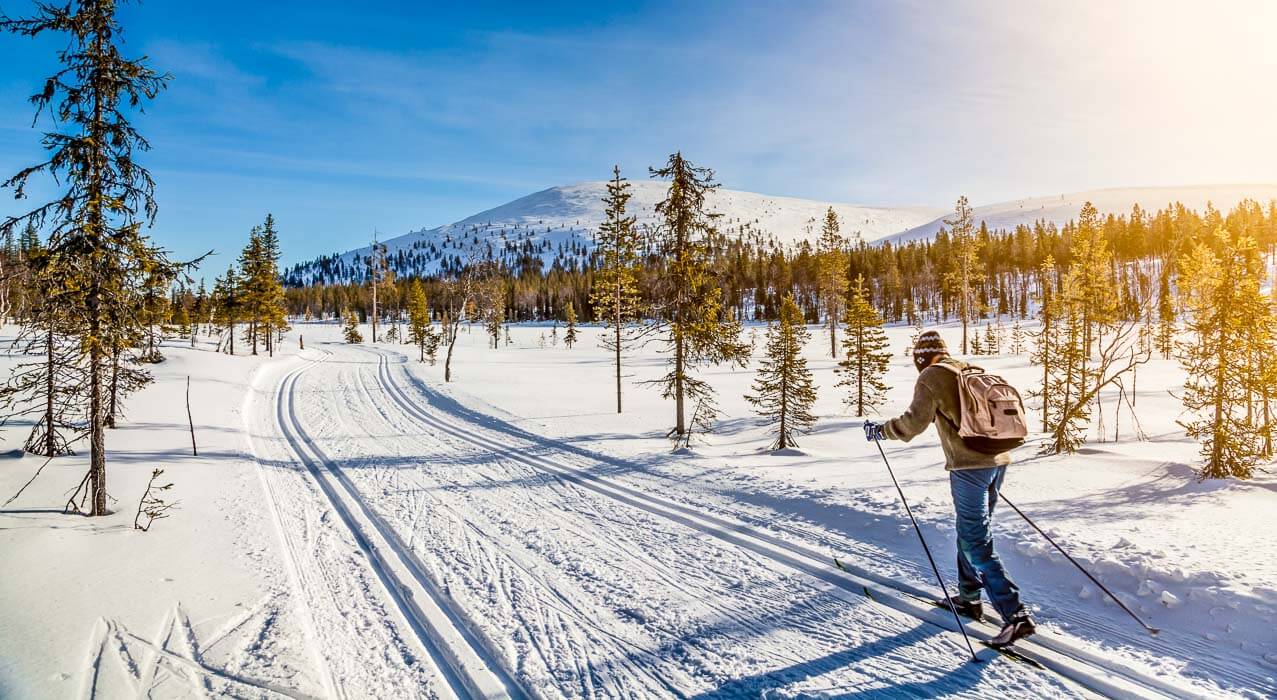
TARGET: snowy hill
(558,225)
(1058,209)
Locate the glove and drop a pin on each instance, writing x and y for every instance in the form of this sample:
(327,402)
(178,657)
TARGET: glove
(873,431)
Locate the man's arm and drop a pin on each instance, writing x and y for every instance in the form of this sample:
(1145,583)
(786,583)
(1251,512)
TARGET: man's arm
(920,414)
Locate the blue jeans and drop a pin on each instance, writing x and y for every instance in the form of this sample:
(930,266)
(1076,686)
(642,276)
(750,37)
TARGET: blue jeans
(975,493)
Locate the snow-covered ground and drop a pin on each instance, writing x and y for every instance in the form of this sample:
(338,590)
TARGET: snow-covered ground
(355,528)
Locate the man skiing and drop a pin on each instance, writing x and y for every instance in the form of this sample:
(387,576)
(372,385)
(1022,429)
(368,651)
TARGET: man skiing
(974,480)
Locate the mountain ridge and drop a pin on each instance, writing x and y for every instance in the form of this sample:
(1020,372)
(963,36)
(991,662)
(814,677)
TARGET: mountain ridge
(555,226)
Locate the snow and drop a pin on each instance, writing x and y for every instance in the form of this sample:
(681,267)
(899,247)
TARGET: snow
(1061,208)
(355,527)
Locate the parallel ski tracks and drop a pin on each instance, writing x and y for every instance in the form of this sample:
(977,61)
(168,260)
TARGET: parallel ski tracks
(469,668)
(1082,667)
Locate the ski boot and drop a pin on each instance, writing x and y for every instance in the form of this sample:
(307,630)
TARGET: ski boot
(970,609)
(1018,627)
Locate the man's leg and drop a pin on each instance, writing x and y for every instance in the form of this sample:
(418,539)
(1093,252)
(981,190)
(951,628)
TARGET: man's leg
(973,501)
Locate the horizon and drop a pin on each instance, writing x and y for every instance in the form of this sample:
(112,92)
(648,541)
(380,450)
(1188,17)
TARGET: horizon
(340,121)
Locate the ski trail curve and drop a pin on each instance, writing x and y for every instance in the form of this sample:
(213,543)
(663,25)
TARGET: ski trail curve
(1067,661)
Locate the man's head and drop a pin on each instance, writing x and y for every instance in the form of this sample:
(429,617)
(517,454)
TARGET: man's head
(928,349)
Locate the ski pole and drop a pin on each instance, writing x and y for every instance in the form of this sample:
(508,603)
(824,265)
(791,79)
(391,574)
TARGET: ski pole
(1151,630)
(943,587)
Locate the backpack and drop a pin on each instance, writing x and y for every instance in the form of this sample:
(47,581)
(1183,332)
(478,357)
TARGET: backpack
(992,413)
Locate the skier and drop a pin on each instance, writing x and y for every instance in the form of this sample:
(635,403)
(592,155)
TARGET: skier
(974,480)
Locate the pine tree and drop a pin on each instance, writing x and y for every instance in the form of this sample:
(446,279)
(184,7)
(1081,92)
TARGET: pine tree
(991,344)
(492,308)
(1164,339)
(420,331)
(688,297)
(351,330)
(1096,302)
(968,270)
(1017,338)
(865,354)
(783,389)
(227,305)
(272,306)
(569,334)
(50,388)
(1067,413)
(1219,283)
(95,239)
(615,296)
(379,276)
(831,277)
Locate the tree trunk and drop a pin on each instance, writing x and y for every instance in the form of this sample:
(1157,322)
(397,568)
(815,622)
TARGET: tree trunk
(97,431)
(115,384)
(616,323)
(50,443)
(447,363)
(833,333)
(679,424)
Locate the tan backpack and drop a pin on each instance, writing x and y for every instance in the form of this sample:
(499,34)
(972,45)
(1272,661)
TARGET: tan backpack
(992,413)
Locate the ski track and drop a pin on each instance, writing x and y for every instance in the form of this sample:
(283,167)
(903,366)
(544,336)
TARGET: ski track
(360,646)
(574,592)
(1142,663)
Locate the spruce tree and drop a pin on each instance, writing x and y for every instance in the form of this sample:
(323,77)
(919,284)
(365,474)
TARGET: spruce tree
(569,334)
(351,330)
(968,270)
(1017,338)
(865,353)
(95,240)
(50,387)
(380,276)
(420,331)
(1164,339)
(831,280)
(698,330)
(1220,287)
(272,304)
(227,305)
(783,389)
(615,296)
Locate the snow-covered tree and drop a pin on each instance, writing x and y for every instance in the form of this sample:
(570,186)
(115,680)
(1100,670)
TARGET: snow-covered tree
(783,389)
(865,353)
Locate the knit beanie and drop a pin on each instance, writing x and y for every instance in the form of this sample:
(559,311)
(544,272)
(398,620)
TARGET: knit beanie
(928,346)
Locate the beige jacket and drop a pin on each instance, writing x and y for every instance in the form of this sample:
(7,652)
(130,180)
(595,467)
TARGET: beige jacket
(935,400)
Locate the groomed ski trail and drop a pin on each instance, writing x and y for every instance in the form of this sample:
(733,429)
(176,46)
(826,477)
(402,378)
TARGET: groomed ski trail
(1057,655)
(465,662)
(357,618)
(581,593)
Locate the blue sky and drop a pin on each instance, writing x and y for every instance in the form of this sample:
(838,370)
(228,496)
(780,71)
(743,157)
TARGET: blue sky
(341,117)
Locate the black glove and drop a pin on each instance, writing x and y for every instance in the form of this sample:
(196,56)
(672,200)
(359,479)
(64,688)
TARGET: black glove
(873,431)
